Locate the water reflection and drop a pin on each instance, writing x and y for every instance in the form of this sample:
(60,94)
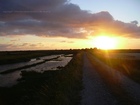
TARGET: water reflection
(50,65)
(10,79)
(21,64)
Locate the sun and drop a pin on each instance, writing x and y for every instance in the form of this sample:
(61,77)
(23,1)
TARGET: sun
(105,42)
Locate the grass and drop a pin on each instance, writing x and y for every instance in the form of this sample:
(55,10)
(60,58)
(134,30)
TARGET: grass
(130,68)
(61,87)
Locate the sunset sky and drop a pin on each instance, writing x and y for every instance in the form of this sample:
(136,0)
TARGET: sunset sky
(69,24)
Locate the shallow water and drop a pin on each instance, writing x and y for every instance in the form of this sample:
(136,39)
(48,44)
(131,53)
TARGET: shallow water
(50,65)
(10,79)
(21,64)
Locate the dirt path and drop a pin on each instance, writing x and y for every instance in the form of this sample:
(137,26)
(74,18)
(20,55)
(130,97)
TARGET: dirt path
(95,91)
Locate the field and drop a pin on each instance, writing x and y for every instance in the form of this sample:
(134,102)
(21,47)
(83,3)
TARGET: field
(125,61)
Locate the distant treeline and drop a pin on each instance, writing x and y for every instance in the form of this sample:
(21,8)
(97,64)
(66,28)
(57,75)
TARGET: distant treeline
(123,50)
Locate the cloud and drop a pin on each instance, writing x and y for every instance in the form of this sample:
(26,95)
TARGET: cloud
(4,47)
(53,18)
(67,41)
(23,46)
(135,22)
(15,40)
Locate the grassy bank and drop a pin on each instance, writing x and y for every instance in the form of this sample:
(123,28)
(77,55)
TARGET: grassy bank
(60,87)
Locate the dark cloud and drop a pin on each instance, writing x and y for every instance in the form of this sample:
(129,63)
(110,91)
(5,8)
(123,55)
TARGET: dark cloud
(134,22)
(31,45)
(25,46)
(58,18)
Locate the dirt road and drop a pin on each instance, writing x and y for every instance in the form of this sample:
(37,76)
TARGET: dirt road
(95,91)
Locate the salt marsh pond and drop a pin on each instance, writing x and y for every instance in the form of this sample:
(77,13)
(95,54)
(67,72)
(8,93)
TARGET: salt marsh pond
(52,62)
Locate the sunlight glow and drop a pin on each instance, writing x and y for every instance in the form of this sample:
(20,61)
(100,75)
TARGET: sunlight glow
(105,42)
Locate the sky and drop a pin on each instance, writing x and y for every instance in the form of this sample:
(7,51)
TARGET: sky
(124,10)
(68,24)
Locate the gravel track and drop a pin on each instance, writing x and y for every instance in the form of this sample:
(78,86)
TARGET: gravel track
(95,91)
